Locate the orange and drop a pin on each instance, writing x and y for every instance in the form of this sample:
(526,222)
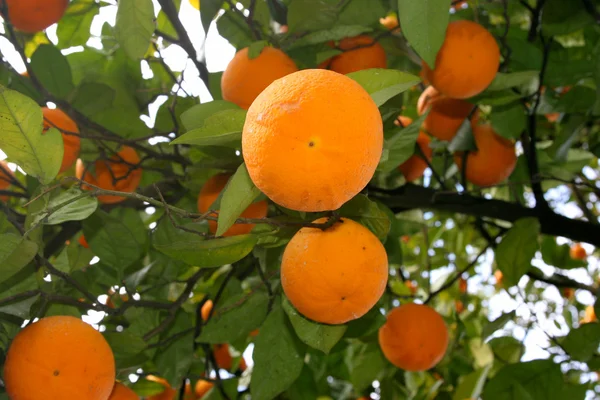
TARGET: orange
(83,242)
(168,394)
(122,392)
(244,78)
(31,16)
(577,252)
(120,173)
(202,387)
(223,357)
(6,177)
(360,52)
(307,146)
(590,315)
(499,277)
(466,63)
(209,193)
(569,293)
(459,306)
(55,118)
(414,337)
(390,22)
(334,276)
(462,285)
(445,116)
(283,29)
(411,286)
(459,5)
(188,393)
(206,309)
(494,160)
(59,357)
(415,166)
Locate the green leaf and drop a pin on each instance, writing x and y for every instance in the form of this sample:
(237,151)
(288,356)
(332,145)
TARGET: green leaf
(134,26)
(173,361)
(221,128)
(53,70)
(119,238)
(558,255)
(498,323)
(582,343)
(21,308)
(517,248)
(507,348)
(256,48)
(195,117)
(210,8)
(229,387)
(400,146)
(40,155)
(15,253)
(563,17)
(367,213)
(234,27)
(383,84)
(504,81)
(125,344)
(464,139)
(92,98)
(471,386)
(319,336)
(278,357)
(74,27)
(304,387)
(424,24)
(239,193)
(236,318)
(318,16)
(509,120)
(69,205)
(198,251)
(366,364)
(335,33)
(366,325)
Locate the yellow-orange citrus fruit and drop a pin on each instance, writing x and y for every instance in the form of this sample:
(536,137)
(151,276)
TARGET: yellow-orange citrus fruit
(459,306)
(359,52)
(390,22)
(499,276)
(202,387)
(462,285)
(445,116)
(123,166)
(83,242)
(209,193)
(168,394)
(467,62)
(6,176)
(206,309)
(334,276)
(246,78)
(188,393)
(307,147)
(415,166)
(577,252)
(31,16)
(569,293)
(55,118)
(414,337)
(590,315)
(195,4)
(494,160)
(223,357)
(122,392)
(64,356)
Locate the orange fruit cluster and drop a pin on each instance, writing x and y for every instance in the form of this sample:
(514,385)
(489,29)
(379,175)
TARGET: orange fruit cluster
(415,166)
(64,344)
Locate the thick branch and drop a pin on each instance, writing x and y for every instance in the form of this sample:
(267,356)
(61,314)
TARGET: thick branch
(416,197)
(560,281)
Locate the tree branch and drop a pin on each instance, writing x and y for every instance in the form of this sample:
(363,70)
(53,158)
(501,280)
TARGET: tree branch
(416,197)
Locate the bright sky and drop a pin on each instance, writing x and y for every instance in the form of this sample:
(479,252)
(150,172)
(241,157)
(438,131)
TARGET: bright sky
(218,54)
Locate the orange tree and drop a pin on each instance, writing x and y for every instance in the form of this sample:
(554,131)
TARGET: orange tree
(406,207)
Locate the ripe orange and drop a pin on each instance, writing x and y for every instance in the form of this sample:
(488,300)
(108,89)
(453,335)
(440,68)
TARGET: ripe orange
(168,394)
(122,392)
(202,387)
(459,306)
(209,193)
(390,22)
(446,115)
(244,78)
(462,285)
(223,357)
(6,176)
(360,52)
(55,118)
(577,252)
(334,276)
(206,309)
(31,16)
(499,276)
(55,353)
(467,62)
(83,242)
(307,147)
(494,160)
(590,315)
(414,337)
(123,166)
(415,166)
(569,293)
